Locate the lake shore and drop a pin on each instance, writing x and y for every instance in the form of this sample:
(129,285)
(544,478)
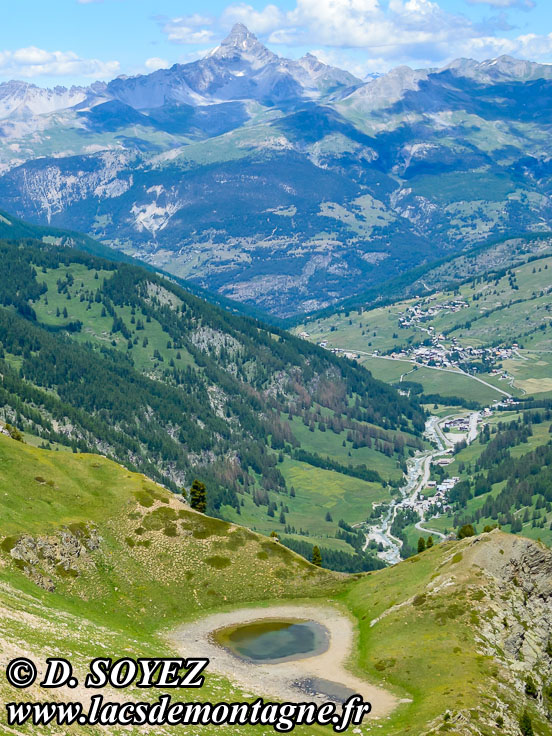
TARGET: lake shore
(278,680)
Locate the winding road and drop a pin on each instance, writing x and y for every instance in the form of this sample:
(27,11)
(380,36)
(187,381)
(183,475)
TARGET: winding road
(417,476)
(457,371)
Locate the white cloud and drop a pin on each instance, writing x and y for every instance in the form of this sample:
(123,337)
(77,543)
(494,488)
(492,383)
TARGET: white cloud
(188,29)
(156,63)
(35,62)
(370,32)
(523,4)
(264,21)
(399,31)
(528,46)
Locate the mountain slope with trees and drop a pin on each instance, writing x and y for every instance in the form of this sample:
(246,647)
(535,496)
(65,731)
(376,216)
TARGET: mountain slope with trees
(105,356)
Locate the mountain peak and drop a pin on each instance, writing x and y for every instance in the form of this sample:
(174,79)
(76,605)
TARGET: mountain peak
(240,42)
(240,37)
(239,33)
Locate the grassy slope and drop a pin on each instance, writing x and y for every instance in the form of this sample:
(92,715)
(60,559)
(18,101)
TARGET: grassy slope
(433,381)
(142,579)
(493,315)
(417,625)
(74,488)
(125,596)
(317,492)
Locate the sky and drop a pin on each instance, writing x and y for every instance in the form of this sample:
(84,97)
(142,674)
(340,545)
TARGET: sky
(65,42)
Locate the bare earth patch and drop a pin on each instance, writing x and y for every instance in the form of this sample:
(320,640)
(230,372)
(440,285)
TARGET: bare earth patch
(276,680)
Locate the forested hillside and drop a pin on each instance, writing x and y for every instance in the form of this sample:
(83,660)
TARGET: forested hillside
(109,357)
(12,228)
(506,476)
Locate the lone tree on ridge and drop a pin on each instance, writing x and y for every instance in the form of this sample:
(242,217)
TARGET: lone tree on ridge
(316,556)
(198,496)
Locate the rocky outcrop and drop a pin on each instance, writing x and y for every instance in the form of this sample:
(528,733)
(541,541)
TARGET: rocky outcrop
(515,616)
(46,559)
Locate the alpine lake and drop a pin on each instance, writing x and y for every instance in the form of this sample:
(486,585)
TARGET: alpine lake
(273,641)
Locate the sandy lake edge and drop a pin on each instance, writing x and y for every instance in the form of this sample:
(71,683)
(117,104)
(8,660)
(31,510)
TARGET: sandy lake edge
(276,680)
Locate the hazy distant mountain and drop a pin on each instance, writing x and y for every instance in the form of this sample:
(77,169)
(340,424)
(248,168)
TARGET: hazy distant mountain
(504,68)
(289,184)
(21,99)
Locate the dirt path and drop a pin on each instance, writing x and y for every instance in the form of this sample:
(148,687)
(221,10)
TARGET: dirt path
(276,680)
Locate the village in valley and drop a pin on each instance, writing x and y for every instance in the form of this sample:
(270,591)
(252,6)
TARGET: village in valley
(425,494)
(436,350)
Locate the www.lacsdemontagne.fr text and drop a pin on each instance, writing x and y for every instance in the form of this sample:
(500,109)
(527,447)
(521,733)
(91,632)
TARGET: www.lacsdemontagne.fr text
(283,717)
(161,673)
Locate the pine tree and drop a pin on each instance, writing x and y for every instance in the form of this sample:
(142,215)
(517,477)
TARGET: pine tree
(316,556)
(429,543)
(421,545)
(198,496)
(466,531)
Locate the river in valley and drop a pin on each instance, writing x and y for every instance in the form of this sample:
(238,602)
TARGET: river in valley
(417,476)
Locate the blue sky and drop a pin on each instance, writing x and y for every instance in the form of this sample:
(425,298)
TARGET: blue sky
(76,41)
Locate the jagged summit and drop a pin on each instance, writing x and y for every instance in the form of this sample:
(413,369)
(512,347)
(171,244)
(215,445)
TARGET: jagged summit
(21,99)
(241,43)
(240,35)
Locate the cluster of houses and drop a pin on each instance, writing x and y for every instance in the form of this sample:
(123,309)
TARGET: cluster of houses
(458,424)
(437,354)
(442,489)
(415,313)
(438,500)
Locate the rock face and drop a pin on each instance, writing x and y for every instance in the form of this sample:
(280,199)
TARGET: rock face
(504,585)
(43,559)
(516,623)
(525,577)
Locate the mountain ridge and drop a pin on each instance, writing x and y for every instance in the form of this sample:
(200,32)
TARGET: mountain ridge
(239,44)
(287,185)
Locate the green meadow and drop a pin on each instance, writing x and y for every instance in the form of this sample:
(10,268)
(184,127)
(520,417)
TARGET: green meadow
(159,564)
